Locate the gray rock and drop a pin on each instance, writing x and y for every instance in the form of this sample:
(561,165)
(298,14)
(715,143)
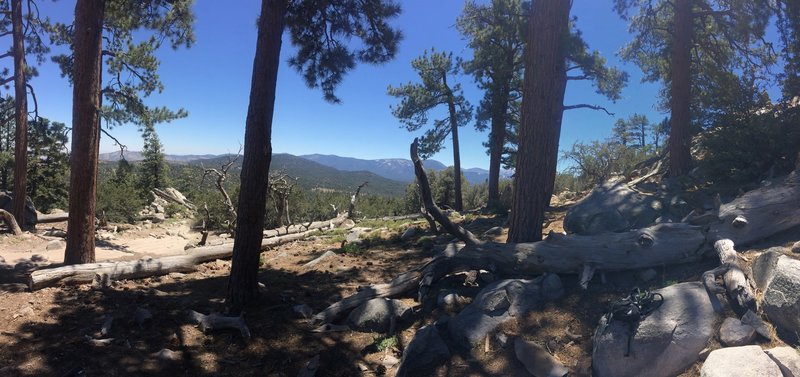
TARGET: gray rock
(409,233)
(752,319)
(764,267)
(796,247)
(611,207)
(788,360)
(782,296)
(733,333)
(355,235)
(647,275)
(447,300)
(493,305)
(7,203)
(38,258)
(424,353)
(552,288)
(27,311)
(54,245)
(537,360)
(158,218)
(747,361)
(376,315)
(665,343)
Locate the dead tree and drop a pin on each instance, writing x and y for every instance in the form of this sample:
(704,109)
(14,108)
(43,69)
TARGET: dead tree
(351,209)
(753,216)
(280,186)
(221,175)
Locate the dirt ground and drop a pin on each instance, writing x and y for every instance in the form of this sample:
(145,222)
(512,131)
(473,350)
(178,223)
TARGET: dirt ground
(45,333)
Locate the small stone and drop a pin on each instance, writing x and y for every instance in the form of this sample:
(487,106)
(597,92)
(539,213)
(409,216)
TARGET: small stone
(796,247)
(502,339)
(177,275)
(552,288)
(2,260)
(24,312)
(167,354)
(141,316)
(409,233)
(38,258)
(733,333)
(754,320)
(537,360)
(54,245)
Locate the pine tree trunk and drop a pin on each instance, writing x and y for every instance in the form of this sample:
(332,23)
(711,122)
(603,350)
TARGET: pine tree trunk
(21,115)
(243,283)
(680,90)
(85,130)
(542,107)
(451,107)
(497,140)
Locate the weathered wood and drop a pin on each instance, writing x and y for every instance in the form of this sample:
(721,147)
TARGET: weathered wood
(760,213)
(11,222)
(292,229)
(52,218)
(172,195)
(85,273)
(431,207)
(215,321)
(736,284)
(655,246)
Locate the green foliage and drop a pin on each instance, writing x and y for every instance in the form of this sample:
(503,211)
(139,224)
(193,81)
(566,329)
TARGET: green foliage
(383,343)
(789,26)
(48,164)
(118,197)
(437,71)
(744,149)
(323,34)
(726,41)
(597,161)
(130,58)
(352,249)
(153,170)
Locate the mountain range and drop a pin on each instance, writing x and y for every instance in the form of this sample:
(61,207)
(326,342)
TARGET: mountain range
(397,169)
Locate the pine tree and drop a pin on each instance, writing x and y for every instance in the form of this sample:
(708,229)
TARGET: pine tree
(322,32)
(48,164)
(154,171)
(437,71)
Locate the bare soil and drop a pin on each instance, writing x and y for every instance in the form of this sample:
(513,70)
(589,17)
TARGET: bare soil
(44,333)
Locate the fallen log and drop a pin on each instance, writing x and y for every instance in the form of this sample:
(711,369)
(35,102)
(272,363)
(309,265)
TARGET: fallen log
(735,282)
(655,246)
(760,213)
(175,196)
(215,321)
(85,273)
(11,222)
(295,228)
(52,218)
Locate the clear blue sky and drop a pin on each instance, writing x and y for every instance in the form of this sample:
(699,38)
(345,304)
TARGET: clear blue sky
(212,81)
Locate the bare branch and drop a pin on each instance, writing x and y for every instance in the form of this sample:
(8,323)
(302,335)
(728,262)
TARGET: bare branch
(122,147)
(587,106)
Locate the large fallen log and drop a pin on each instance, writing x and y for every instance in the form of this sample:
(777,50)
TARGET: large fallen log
(298,228)
(85,273)
(760,213)
(658,245)
(52,218)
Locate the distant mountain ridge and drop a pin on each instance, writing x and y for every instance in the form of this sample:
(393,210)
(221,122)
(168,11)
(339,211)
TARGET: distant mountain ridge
(397,169)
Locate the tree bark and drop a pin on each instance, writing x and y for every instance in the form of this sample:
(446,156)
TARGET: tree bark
(451,107)
(680,90)
(243,283)
(542,108)
(21,115)
(85,130)
(497,140)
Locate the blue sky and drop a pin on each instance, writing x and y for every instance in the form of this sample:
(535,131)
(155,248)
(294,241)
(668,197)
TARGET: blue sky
(212,80)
